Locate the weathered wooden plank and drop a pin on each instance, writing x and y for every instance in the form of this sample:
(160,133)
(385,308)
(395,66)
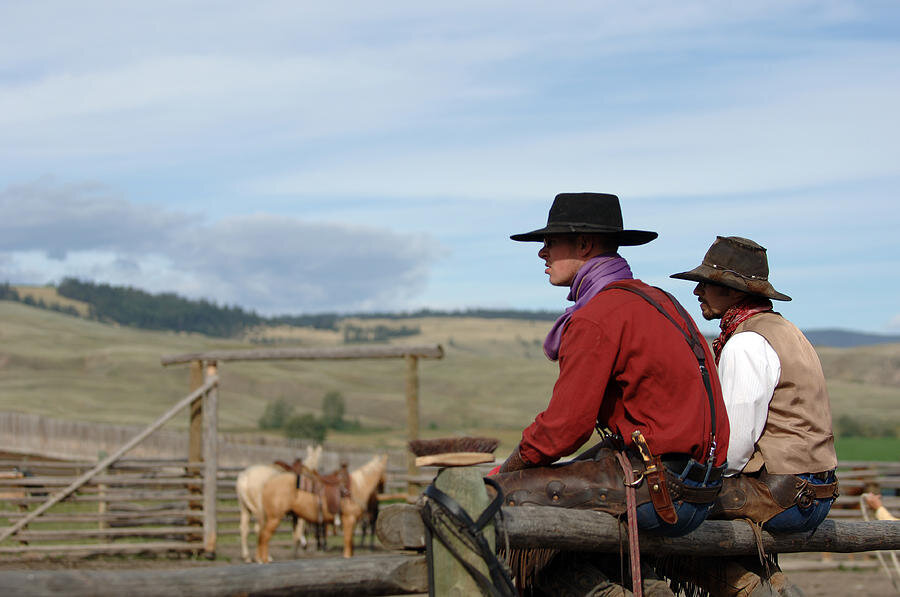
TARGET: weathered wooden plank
(116,496)
(84,550)
(412,415)
(361,575)
(211,458)
(400,527)
(68,534)
(110,481)
(108,516)
(430,351)
(195,444)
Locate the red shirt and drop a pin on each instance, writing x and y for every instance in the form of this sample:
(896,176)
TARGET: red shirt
(623,363)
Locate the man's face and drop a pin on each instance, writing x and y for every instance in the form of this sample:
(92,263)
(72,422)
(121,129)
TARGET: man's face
(715,300)
(561,259)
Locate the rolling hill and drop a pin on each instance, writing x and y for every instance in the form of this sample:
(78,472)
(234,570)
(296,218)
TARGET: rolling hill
(493,379)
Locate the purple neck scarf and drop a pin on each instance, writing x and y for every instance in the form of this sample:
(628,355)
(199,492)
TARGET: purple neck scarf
(592,277)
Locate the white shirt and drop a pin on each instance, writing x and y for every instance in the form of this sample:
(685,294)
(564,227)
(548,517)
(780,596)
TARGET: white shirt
(749,370)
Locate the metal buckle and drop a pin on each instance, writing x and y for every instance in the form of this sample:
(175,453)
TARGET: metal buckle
(804,497)
(638,480)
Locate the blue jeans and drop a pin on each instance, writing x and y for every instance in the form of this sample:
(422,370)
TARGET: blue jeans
(690,515)
(797,519)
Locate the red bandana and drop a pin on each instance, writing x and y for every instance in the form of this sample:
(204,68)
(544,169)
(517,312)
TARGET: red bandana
(735,316)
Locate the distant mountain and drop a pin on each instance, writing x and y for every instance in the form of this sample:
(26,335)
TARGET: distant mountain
(847,339)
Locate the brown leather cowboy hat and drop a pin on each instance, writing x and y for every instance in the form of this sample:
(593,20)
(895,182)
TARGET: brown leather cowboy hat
(587,213)
(737,263)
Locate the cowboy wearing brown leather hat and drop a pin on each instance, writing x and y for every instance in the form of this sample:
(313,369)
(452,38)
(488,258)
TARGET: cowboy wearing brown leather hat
(781,456)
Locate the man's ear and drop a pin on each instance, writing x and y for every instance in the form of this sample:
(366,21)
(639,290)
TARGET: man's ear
(584,245)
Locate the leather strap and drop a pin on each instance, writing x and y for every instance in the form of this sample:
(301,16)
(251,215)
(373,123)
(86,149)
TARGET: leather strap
(631,509)
(693,495)
(500,584)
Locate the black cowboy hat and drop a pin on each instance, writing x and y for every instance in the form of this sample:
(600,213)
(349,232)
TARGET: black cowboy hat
(737,263)
(587,213)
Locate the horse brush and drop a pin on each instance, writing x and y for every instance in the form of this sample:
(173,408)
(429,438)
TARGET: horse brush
(453,451)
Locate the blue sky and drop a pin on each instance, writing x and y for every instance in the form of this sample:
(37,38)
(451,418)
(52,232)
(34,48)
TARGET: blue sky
(296,157)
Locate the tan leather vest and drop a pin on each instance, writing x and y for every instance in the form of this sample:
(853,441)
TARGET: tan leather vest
(798,437)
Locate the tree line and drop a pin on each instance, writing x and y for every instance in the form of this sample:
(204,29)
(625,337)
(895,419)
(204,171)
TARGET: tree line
(133,307)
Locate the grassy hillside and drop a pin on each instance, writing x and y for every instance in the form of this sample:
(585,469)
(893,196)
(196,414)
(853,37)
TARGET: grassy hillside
(50,296)
(492,381)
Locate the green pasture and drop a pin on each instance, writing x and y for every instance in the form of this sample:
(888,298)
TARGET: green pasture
(868,448)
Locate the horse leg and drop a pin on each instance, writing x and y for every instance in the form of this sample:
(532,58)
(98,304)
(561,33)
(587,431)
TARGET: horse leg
(265,534)
(321,536)
(295,523)
(245,530)
(300,535)
(349,521)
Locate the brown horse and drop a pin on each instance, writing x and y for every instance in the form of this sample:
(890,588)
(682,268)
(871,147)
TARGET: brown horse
(281,495)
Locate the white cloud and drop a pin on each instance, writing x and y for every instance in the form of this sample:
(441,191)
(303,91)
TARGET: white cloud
(266,262)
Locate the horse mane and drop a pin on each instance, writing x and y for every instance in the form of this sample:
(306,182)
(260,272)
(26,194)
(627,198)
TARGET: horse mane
(367,477)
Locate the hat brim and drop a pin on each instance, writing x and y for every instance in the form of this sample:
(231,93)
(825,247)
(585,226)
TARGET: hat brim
(622,237)
(705,273)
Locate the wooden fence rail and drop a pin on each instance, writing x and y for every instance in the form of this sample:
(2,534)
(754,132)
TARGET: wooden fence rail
(400,526)
(361,575)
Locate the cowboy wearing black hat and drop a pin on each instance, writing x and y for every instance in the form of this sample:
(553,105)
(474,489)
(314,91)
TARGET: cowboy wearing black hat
(781,456)
(631,363)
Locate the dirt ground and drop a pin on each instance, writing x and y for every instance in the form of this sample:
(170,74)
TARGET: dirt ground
(859,574)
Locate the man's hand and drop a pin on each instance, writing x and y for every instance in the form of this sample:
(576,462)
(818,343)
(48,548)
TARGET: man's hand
(873,500)
(513,463)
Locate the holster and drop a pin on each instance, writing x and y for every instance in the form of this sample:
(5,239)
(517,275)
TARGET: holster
(761,497)
(658,488)
(596,484)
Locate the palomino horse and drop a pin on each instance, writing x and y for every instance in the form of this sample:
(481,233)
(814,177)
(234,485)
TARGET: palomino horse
(249,487)
(281,495)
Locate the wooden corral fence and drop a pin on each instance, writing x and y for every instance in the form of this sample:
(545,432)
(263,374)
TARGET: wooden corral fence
(135,506)
(203,476)
(857,477)
(410,354)
(401,530)
(122,506)
(29,436)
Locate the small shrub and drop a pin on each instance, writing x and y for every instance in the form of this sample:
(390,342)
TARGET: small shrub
(306,427)
(276,414)
(333,410)
(849,426)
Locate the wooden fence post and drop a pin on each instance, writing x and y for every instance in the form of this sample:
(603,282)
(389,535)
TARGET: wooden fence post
(211,461)
(412,421)
(195,447)
(102,505)
(466,486)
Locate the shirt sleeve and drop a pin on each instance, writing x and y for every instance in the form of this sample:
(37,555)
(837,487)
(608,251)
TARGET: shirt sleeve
(585,367)
(749,370)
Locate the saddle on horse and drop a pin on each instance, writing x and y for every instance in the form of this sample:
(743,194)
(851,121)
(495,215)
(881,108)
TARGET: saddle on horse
(329,489)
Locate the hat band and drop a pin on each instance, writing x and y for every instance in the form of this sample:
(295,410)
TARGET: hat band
(731,271)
